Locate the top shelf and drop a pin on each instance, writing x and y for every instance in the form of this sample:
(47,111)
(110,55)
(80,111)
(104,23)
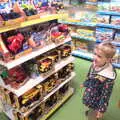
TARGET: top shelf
(33,22)
(108,13)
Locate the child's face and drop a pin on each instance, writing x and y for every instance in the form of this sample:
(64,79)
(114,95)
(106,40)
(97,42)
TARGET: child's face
(99,58)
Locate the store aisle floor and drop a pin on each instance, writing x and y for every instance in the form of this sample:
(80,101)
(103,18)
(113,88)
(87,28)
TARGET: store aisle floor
(73,109)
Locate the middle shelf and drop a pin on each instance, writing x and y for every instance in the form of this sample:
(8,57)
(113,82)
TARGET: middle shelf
(33,82)
(33,54)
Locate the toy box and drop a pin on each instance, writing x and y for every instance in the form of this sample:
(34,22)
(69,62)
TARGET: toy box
(50,83)
(65,72)
(115,20)
(115,6)
(54,55)
(64,89)
(38,112)
(103,19)
(31,68)
(29,99)
(65,51)
(50,102)
(45,65)
(81,45)
(104,34)
(15,77)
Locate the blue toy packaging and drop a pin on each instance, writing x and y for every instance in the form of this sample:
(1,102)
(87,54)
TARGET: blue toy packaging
(104,34)
(115,20)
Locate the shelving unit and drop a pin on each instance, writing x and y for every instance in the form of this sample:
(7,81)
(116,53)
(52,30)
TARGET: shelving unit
(56,106)
(9,109)
(110,26)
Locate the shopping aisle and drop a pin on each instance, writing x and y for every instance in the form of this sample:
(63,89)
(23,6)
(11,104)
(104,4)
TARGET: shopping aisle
(73,109)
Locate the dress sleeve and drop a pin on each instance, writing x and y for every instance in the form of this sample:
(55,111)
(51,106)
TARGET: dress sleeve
(105,95)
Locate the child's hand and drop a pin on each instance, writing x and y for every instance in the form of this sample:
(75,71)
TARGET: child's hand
(81,86)
(99,115)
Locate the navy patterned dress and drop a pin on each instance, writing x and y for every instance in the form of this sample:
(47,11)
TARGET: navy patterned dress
(99,87)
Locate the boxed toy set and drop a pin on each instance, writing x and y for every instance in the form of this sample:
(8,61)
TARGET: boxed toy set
(104,34)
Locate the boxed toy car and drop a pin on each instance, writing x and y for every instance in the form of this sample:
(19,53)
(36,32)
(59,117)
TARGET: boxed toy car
(65,51)
(29,99)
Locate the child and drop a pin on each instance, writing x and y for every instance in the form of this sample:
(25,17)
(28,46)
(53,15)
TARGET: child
(100,81)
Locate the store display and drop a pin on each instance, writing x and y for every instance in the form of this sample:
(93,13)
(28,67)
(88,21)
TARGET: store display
(115,6)
(65,72)
(30,85)
(65,51)
(15,77)
(51,83)
(37,112)
(104,34)
(88,34)
(117,37)
(64,89)
(54,55)
(103,19)
(115,20)
(45,65)
(29,99)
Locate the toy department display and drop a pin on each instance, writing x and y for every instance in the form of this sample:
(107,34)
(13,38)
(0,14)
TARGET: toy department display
(37,47)
(104,34)
(109,31)
(15,44)
(25,103)
(20,11)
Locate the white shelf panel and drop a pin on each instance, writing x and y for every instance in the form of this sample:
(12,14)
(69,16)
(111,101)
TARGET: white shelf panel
(33,54)
(33,82)
(50,94)
(9,112)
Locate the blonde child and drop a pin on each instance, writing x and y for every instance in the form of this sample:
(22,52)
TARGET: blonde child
(99,82)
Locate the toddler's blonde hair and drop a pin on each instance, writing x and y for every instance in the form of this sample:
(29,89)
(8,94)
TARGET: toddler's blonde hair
(107,48)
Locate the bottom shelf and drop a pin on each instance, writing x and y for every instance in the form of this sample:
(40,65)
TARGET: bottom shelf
(9,111)
(83,54)
(67,95)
